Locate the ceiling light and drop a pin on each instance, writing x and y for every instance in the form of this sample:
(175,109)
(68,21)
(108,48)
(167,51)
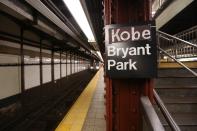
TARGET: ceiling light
(77,12)
(153,13)
(188,59)
(99,54)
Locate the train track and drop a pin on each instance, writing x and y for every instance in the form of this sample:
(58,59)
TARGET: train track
(47,117)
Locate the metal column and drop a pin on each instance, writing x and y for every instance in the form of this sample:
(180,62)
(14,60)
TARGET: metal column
(123,95)
(22,62)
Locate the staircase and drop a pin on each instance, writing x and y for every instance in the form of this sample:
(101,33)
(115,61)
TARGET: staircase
(176,84)
(178,89)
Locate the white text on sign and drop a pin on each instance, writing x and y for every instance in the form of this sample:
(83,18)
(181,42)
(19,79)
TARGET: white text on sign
(131,51)
(129,34)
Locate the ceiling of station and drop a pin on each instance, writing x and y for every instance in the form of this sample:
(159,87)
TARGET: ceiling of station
(94,9)
(183,20)
(51,20)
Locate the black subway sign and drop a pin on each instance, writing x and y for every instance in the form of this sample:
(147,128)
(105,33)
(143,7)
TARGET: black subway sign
(130,51)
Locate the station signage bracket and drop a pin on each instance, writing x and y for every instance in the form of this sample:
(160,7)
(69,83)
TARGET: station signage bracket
(131,51)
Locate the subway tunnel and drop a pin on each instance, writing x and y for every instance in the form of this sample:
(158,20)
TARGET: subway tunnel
(98,65)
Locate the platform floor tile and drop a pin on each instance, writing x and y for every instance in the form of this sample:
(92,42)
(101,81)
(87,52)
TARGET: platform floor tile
(95,120)
(75,118)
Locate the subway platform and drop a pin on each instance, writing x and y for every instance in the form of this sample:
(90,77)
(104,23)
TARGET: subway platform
(87,113)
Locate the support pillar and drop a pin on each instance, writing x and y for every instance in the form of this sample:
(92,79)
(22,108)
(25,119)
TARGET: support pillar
(123,95)
(41,64)
(22,62)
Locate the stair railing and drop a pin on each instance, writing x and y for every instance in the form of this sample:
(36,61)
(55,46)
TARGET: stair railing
(176,48)
(188,34)
(171,122)
(151,121)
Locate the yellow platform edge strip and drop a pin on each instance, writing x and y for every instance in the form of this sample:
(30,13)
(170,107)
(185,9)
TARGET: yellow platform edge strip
(74,119)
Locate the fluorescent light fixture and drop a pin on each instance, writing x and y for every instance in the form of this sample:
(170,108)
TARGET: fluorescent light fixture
(153,13)
(99,54)
(97,67)
(77,12)
(188,59)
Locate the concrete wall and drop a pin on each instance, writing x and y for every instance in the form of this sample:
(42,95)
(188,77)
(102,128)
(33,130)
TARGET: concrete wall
(32,76)
(57,71)
(10,76)
(63,70)
(68,68)
(46,73)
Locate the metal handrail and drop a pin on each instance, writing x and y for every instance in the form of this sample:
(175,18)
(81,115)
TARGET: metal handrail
(158,100)
(166,53)
(174,37)
(165,112)
(150,115)
(180,63)
(187,31)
